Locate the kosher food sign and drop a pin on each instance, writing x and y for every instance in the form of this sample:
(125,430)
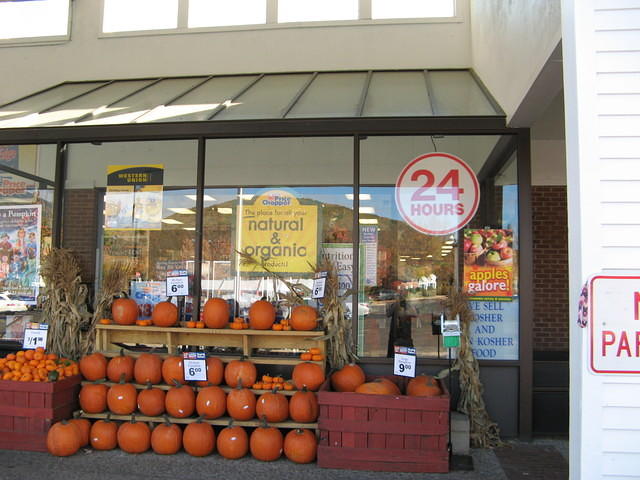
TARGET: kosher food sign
(280,230)
(437,193)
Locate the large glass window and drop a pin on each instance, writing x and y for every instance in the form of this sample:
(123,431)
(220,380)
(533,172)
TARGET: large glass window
(125,15)
(44,18)
(412,8)
(287,202)
(216,13)
(405,275)
(316,10)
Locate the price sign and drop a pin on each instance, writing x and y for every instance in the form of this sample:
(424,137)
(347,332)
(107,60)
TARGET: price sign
(404,361)
(317,291)
(195,366)
(177,283)
(437,193)
(35,335)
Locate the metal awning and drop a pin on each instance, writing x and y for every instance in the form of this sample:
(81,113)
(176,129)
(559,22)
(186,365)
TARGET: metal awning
(218,99)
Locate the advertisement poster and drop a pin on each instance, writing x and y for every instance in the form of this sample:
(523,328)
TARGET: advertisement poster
(369,237)
(16,189)
(147,295)
(9,155)
(134,197)
(280,230)
(494,333)
(489,264)
(20,251)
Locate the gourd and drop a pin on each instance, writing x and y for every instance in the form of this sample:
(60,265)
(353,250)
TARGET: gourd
(261,315)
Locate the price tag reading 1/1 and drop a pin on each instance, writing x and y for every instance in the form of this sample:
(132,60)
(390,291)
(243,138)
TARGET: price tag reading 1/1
(195,366)
(404,361)
(177,283)
(317,291)
(35,335)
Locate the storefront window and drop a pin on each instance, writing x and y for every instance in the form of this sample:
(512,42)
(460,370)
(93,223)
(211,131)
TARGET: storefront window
(286,202)
(148,210)
(26,215)
(405,275)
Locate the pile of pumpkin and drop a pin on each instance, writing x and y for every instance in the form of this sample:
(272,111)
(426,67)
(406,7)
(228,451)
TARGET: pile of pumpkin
(209,402)
(215,314)
(36,366)
(351,378)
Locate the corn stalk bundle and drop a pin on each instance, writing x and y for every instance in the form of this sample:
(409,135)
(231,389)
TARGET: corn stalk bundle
(484,432)
(340,347)
(114,282)
(63,303)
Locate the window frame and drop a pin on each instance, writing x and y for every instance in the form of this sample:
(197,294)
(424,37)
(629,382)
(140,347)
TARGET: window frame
(42,40)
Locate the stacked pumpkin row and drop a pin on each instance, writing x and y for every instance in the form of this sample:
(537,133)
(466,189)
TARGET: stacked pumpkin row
(351,378)
(198,439)
(216,314)
(182,401)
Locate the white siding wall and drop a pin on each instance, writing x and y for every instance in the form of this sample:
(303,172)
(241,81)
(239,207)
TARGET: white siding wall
(601,41)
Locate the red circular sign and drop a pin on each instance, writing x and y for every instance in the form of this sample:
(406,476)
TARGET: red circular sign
(437,193)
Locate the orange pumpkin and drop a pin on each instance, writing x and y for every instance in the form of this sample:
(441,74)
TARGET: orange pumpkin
(262,315)
(84,426)
(165,314)
(308,374)
(216,313)
(172,369)
(134,437)
(211,402)
(166,438)
(379,386)
(240,370)
(63,439)
(266,443)
(124,311)
(199,438)
(241,403)
(151,401)
(93,398)
(272,406)
(423,386)
(103,434)
(348,378)
(304,317)
(119,366)
(180,401)
(93,367)
(300,445)
(303,406)
(215,372)
(122,398)
(233,442)
(148,368)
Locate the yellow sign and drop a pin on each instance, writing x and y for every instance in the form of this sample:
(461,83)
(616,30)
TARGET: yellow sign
(281,231)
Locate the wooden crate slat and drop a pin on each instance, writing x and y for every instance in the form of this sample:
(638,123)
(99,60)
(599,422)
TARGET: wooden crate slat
(382,427)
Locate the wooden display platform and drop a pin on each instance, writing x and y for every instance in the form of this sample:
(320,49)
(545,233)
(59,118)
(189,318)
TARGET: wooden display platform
(226,388)
(108,336)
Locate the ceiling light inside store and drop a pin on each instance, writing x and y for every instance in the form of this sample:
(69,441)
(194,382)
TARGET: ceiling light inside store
(449,242)
(447,248)
(189,228)
(362,196)
(225,210)
(415,258)
(429,256)
(368,221)
(370,210)
(403,259)
(246,196)
(206,198)
(182,210)
(171,221)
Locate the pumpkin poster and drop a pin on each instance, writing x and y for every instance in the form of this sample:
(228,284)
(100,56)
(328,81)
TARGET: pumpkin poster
(20,253)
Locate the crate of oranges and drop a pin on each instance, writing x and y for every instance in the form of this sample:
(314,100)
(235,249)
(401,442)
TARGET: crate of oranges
(36,390)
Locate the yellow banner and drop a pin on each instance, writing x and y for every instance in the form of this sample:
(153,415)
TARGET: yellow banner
(281,231)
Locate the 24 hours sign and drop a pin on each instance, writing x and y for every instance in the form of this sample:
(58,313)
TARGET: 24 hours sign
(437,193)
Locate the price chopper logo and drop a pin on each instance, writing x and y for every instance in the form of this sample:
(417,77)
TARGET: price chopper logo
(277,201)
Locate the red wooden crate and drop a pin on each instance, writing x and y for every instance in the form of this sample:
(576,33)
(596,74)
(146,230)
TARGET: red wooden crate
(28,409)
(383,432)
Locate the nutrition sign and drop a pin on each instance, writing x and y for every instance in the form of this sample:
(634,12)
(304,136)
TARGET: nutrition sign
(280,230)
(437,193)
(614,324)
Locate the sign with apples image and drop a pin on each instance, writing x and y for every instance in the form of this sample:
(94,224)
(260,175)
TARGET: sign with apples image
(488,263)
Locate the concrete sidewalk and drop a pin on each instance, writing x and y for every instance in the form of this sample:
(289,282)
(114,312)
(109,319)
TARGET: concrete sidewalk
(541,459)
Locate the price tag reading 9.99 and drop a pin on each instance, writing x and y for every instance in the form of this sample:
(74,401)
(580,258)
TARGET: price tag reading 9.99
(404,361)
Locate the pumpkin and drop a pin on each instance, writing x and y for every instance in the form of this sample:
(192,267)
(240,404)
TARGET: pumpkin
(233,442)
(348,378)
(120,365)
(215,372)
(266,443)
(300,445)
(148,368)
(303,406)
(93,367)
(180,401)
(165,314)
(262,315)
(272,406)
(211,402)
(84,426)
(93,398)
(172,369)
(309,374)
(134,437)
(379,386)
(240,370)
(63,439)
(216,313)
(199,439)
(166,438)
(241,403)
(104,434)
(124,311)
(303,317)
(151,401)
(423,386)
(122,398)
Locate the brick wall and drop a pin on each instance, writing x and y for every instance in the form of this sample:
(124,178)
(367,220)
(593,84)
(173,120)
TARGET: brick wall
(550,269)
(80,229)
